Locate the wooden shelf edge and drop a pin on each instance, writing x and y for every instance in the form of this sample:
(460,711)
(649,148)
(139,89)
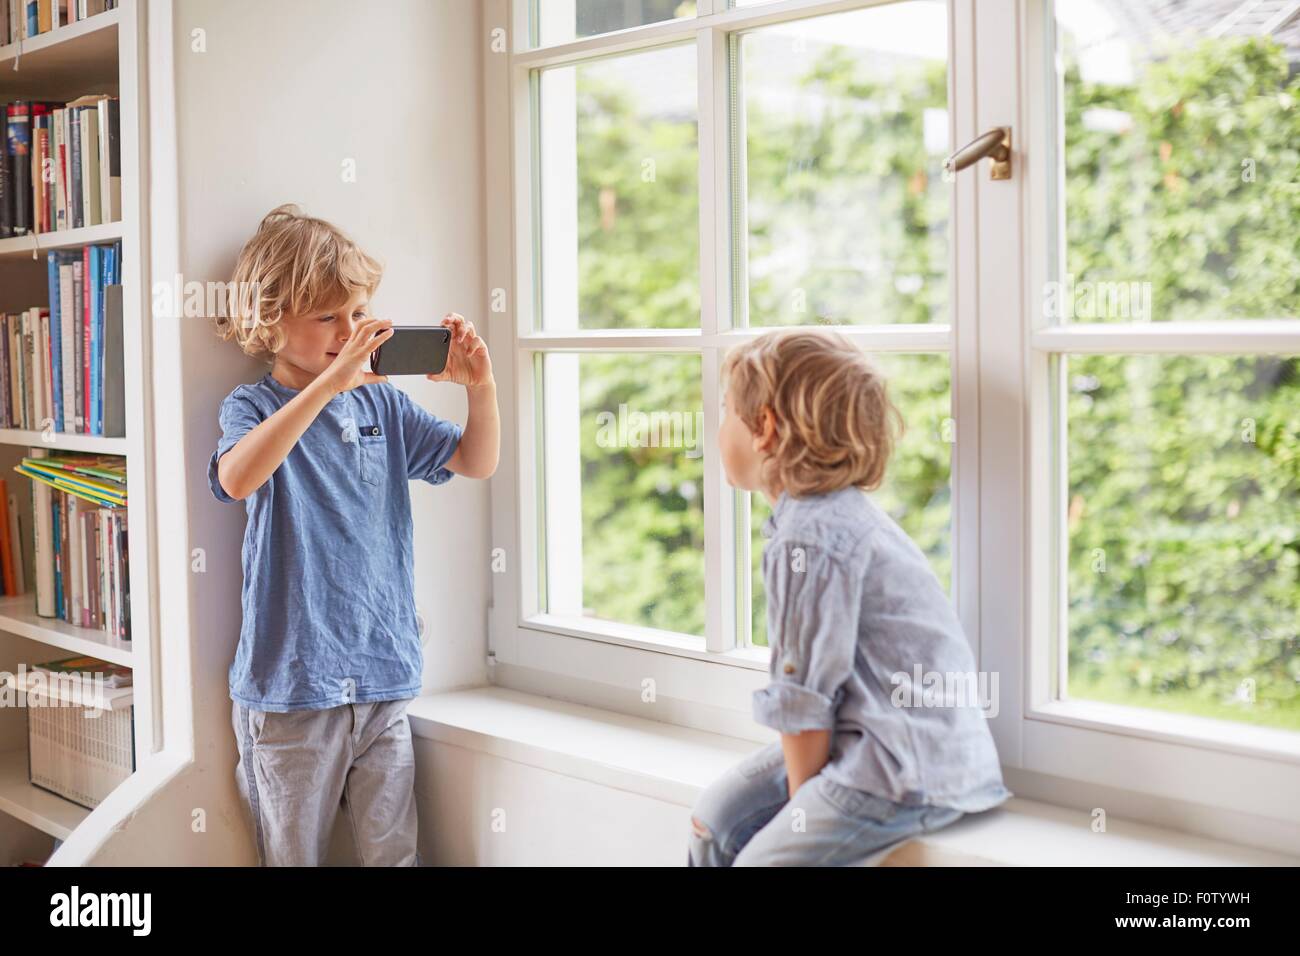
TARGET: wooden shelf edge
(17,247)
(65,441)
(43,41)
(18,616)
(20,798)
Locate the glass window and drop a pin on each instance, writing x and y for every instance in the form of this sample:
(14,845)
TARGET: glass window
(560,21)
(845,129)
(624,522)
(1181,125)
(1179,203)
(619,163)
(1184,546)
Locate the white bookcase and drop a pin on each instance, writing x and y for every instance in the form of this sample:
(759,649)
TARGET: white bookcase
(102,54)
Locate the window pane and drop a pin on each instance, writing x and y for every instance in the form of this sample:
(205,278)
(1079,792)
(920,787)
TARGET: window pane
(1181,129)
(1184,549)
(559,21)
(846,130)
(624,488)
(620,202)
(916,492)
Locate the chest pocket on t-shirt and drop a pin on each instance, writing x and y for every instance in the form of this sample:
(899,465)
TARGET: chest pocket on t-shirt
(374,453)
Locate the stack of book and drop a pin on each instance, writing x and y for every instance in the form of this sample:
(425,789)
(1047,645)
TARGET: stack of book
(78,145)
(79,510)
(74,680)
(61,367)
(20,19)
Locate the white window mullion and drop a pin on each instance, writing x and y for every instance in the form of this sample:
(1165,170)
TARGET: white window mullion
(506,497)
(964,317)
(715,297)
(562,475)
(706,8)
(1042,135)
(930,337)
(720,571)
(525,571)
(984,50)
(1231,336)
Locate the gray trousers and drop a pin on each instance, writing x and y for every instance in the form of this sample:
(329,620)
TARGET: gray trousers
(297,769)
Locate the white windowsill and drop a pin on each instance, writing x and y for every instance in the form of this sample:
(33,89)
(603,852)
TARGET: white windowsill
(674,764)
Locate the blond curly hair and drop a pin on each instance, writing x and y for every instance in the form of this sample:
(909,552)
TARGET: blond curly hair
(835,423)
(293,265)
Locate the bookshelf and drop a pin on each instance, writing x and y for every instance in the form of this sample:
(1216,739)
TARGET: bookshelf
(104,53)
(61,63)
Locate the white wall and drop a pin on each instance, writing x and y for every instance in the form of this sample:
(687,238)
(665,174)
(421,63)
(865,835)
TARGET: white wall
(482,810)
(283,94)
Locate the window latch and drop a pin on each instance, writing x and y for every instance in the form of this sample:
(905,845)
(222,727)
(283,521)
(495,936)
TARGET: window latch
(995,145)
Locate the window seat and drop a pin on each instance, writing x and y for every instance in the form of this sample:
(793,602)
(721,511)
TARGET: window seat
(673,764)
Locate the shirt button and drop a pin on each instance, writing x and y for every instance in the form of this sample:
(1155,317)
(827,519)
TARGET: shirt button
(789,667)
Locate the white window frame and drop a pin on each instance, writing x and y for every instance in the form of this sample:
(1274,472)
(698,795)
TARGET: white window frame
(1004,480)
(1239,768)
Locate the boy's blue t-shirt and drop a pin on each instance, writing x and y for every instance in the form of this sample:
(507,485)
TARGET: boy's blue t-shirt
(328,595)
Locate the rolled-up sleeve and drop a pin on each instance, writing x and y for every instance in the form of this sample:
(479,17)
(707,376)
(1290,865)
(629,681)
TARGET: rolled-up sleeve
(237,417)
(430,442)
(813,605)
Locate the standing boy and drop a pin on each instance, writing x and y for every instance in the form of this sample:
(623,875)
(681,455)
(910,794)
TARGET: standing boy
(321,452)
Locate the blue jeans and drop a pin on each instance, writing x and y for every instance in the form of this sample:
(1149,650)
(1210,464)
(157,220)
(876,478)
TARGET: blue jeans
(748,818)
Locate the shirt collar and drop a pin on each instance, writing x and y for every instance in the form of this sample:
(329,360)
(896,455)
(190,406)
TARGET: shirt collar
(769,524)
(276,385)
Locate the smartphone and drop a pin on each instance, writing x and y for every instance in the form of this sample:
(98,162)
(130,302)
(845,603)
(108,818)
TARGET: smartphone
(412,350)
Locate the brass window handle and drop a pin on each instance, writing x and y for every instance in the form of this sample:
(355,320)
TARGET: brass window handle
(995,144)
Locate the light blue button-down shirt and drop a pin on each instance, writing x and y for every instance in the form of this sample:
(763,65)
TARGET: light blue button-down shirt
(865,642)
(328,598)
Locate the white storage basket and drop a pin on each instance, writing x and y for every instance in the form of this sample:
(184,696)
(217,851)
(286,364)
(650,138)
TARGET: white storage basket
(77,756)
(71,753)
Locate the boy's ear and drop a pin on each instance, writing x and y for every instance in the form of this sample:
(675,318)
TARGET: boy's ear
(766,436)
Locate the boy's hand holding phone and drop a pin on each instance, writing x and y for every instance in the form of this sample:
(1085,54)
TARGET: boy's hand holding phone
(468,362)
(348,370)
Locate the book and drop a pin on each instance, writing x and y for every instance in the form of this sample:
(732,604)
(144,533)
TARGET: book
(42,533)
(113,675)
(18,145)
(95,478)
(6,191)
(16,545)
(60,149)
(78,319)
(6,543)
(110,159)
(40,168)
(87,110)
(75,680)
(67,346)
(77,219)
(114,384)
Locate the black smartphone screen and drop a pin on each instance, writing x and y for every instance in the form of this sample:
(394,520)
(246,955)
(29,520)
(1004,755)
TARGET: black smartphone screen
(412,350)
